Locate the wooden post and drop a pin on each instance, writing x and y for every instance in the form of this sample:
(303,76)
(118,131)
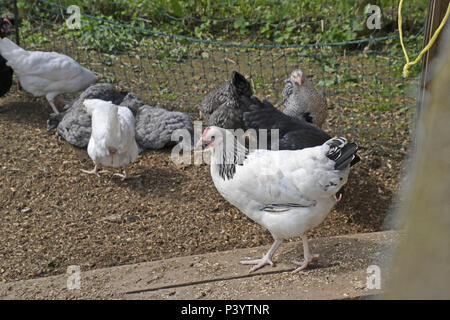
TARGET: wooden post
(435,13)
(421,264)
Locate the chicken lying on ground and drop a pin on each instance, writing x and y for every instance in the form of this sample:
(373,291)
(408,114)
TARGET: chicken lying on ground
(294,133)
(154,126)
(74,124)
(301,100)
(221,107)
(6,73)
(46,74)
(112,141)
(287,192)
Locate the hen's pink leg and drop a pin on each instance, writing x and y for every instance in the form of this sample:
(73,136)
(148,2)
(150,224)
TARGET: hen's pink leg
(266,259)
(125,174)
(94,171)
(308,257)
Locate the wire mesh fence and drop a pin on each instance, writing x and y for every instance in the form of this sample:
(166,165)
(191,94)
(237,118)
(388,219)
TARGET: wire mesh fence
(361,77)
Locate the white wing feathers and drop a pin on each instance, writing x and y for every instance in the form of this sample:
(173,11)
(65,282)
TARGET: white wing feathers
(127,128)
(288,177)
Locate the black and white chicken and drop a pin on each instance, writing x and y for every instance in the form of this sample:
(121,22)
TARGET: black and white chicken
(301,99)
(46,74)
(221,107)
(287,192)
(6,73)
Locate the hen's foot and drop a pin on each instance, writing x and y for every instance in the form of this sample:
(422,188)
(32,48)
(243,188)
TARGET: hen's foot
(259,263)
(94,171)
(125,175)
(304,264)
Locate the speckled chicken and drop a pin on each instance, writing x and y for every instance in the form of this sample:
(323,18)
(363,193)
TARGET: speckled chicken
(154,126)
(221,107)
(301,100)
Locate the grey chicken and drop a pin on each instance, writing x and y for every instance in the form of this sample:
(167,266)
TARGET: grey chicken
(154,126)
(222,108)
(301,100)
(74,124)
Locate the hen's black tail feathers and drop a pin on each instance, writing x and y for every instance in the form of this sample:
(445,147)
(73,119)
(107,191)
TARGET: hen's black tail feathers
(342,153)
(241,85)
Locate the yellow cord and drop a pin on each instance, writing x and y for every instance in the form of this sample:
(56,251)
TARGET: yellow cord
(427,47)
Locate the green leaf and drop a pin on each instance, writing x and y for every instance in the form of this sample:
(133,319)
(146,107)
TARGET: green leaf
(176,7)
(357,26)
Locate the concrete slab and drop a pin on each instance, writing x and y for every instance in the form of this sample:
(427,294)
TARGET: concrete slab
(340,273)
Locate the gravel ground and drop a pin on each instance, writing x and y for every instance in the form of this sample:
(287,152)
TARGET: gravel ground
(53,216)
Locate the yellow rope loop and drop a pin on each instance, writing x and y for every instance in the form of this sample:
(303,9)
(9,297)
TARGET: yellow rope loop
(427,47)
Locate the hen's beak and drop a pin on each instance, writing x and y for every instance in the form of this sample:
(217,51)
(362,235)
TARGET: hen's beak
(201,144)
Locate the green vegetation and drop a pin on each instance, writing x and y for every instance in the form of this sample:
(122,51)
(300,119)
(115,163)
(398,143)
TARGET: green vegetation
(256,21)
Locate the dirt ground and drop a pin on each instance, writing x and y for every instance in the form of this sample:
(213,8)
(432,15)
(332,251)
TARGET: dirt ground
(339,273)
(53,216)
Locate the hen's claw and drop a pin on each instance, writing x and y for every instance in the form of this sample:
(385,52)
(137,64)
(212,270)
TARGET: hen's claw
(304,264)
(125,175)
(93,171)
(259,263)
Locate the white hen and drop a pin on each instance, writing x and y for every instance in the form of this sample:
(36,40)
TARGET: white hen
(287,192)
(46,74)
(112,141)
